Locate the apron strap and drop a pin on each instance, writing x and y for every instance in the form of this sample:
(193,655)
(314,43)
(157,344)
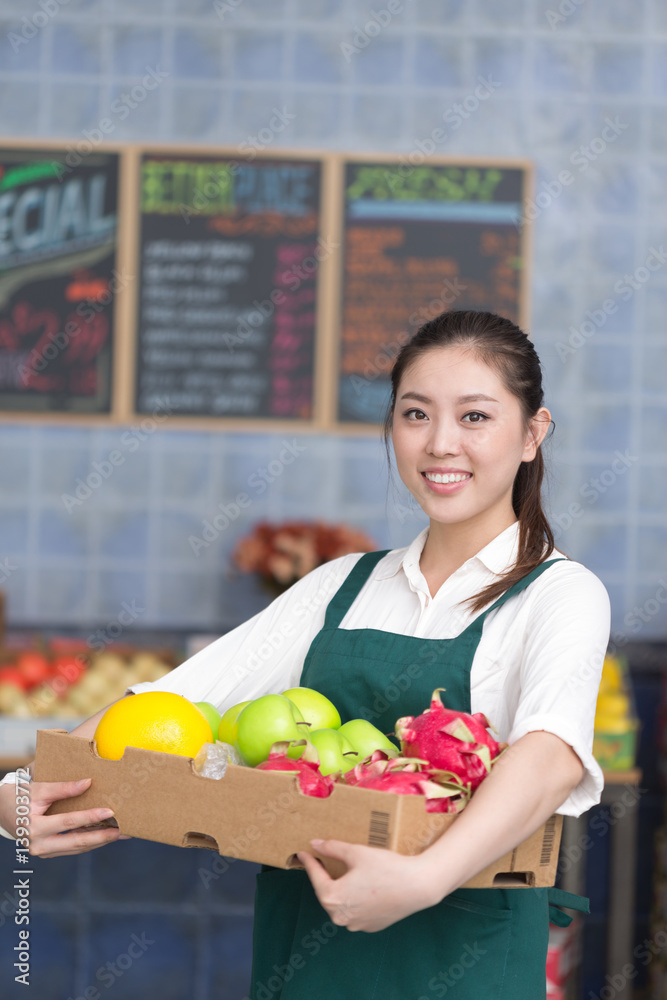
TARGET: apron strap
(557,898)
(356,578)
(477,624)
(350,587)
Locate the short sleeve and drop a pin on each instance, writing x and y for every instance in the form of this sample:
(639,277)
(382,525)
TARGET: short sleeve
(263,655)
(564,649)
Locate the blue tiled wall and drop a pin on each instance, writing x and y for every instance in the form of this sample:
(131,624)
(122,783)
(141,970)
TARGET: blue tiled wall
(226,65)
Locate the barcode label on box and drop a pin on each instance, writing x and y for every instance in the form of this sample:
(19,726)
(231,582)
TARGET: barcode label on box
(548,841)
(378,832)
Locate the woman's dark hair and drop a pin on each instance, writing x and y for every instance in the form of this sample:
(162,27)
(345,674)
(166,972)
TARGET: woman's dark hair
(503,346)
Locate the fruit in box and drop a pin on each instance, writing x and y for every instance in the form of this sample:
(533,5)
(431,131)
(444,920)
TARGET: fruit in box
(316,709)
(310,777)
(409,776)
(365,738)
(335,753)
(210,713)
(228,730)
(152,720)
(266,721)
(454,742)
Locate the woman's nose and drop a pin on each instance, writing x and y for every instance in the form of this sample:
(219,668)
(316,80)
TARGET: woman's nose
(444,439)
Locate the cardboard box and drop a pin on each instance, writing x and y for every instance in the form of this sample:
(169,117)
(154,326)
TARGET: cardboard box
(262,816)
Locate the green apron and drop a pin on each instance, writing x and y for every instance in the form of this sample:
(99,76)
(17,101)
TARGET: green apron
(476,944)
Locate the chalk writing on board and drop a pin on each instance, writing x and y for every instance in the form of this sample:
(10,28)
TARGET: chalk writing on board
(417,244)
(57,281)
(227,311)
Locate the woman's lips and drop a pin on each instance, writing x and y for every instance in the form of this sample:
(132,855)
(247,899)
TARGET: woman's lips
(445,488)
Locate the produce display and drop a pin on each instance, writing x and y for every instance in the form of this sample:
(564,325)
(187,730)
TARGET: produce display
(444,755)
(72,684)
(616,724)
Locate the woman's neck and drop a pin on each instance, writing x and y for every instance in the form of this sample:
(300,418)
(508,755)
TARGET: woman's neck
(449,546)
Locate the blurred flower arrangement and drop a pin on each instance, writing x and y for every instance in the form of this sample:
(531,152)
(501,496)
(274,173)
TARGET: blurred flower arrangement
(282,554)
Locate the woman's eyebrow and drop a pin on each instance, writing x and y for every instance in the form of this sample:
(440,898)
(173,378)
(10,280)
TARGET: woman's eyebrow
(471,398)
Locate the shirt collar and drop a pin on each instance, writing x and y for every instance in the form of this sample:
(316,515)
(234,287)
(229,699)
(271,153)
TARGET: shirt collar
(497,556)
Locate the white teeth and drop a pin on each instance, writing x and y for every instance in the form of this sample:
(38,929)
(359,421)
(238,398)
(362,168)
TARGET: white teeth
(451,477)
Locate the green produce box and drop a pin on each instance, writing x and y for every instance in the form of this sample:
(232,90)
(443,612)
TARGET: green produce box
(616,751)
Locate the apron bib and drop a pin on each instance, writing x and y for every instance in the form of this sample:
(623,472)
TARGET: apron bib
(476,944)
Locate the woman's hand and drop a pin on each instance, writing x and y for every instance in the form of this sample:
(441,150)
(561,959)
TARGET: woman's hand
(379,887)
(60,834)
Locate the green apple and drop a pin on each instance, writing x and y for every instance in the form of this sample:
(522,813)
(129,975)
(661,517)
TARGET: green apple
(211,713)
(365,738)
(227,731)
(266,721)
(316,708)
(331,746)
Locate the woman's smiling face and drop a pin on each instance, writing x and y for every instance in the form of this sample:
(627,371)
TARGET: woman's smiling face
(452,429)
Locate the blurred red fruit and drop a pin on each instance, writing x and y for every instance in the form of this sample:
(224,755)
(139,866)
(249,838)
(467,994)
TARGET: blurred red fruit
(12,675)
(34,666)
(69,667)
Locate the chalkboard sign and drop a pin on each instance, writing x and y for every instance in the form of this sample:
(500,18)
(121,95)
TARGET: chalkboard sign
(58,279)
(229,255)
(419,240)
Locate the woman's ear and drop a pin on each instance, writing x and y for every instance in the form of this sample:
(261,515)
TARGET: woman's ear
(537,431)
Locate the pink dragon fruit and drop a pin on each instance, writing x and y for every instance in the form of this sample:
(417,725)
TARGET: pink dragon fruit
(455,742)
(409,777)
(311,781)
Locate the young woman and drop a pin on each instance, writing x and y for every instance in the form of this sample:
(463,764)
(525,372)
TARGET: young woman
(480,603)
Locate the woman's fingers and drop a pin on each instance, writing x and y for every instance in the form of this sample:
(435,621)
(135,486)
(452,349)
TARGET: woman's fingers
(74,842)
(325,887)
(72,832)
(62,822)
(44,793)
(328,889)
(340,849)
(317,874)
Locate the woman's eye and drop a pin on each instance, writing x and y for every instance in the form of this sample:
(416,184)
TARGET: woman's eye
(476,413)
(413,410)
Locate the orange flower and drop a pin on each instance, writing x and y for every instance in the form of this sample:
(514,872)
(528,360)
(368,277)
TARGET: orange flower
(285,553)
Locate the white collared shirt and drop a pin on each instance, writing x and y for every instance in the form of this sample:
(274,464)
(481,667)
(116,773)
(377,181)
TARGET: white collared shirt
(537,665)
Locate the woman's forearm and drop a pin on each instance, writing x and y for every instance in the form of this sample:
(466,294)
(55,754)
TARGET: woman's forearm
(530,781)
